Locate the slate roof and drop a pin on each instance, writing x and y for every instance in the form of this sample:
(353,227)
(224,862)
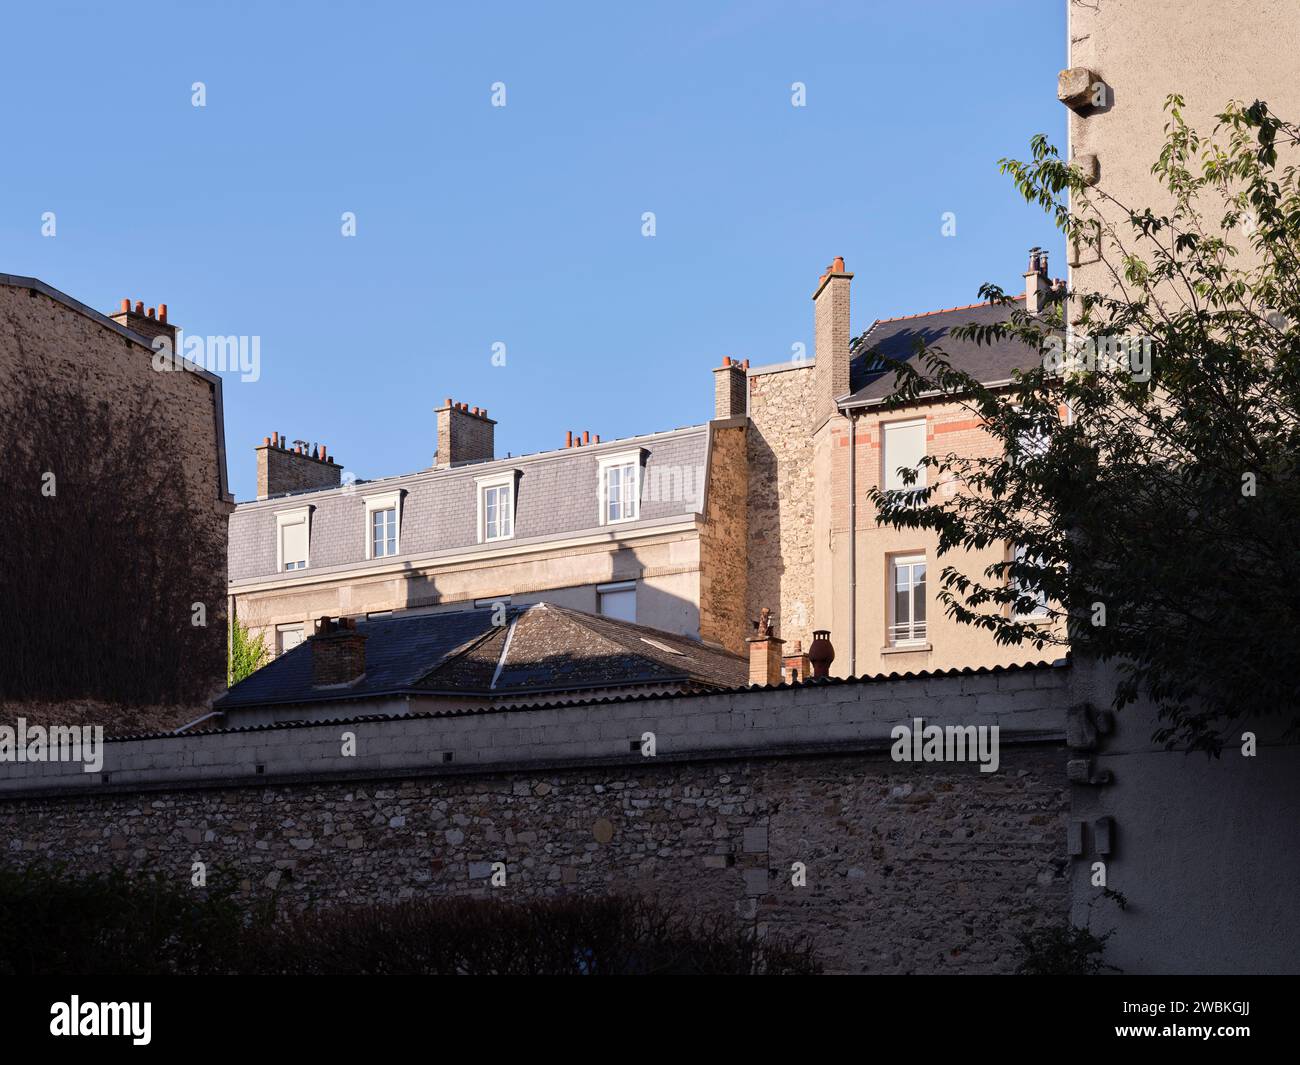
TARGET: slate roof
(897,338)
(550,649)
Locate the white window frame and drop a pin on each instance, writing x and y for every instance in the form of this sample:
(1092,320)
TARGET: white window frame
(281,630)
(283,519)
(915,639)
(635,459)
(508,479)
(616,587)
(1041,612)
(383,501)
(889,469)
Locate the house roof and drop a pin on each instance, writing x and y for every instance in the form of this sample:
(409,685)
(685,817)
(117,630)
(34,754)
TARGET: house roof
(898,338)
(540,648)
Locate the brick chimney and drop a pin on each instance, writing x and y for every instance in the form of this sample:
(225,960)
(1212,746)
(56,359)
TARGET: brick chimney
(764,651)
(465,434)
(338,653)
(283,467)
(1037,284)
(729,388)
(831,339)
(148,322)
(795,665)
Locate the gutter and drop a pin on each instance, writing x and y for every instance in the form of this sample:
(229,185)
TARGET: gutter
(853,542)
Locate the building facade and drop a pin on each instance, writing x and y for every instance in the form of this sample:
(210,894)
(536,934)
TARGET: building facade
(116,515)
(642,529)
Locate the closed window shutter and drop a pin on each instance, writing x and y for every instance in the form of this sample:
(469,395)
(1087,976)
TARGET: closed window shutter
(295,543)
(904,446)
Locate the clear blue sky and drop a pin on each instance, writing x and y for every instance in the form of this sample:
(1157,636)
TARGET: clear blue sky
(521,224)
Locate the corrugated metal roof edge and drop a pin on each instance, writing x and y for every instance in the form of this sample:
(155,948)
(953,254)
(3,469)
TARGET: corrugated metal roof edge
(694,692)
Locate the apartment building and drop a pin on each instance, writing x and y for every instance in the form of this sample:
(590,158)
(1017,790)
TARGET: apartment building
(817,555)
(647,529)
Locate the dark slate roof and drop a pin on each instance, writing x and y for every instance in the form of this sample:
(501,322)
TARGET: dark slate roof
(458,652)
(897,338)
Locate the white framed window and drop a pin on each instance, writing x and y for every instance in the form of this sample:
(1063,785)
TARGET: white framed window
(287,637)
(617,600)
(620,487)
(383,524)
(1037,596)
(903,445)
(496,506)
(907,600)
(292,539)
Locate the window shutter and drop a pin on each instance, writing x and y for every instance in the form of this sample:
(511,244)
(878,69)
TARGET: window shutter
(295,542)
(904,446)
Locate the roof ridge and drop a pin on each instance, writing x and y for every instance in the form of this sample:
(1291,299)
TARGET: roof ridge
(938,310)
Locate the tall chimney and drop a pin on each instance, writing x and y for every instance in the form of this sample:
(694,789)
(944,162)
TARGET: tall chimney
(764,651)
(281,469)
(1037,284)
(338,653)
(149,323)
(831,339)
(729,389)
(464,435)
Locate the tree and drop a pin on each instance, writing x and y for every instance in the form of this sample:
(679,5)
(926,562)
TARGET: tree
(248,653)
(1159,512)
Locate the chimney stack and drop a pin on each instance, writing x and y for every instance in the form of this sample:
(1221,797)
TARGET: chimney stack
(282,469)
(764,651)
(465,434)
(729,389)
(1037,284)
(831,339)
(795,665)
(338,653)
(149,323)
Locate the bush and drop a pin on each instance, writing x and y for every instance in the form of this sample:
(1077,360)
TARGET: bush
(52,923)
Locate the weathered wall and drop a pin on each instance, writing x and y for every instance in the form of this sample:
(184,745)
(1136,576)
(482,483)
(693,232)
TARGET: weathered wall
(908,870)
(781,493)
(724,563)
(41,330)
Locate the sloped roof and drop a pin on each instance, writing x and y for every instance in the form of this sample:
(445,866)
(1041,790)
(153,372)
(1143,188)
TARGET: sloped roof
(541,648)
(897,338)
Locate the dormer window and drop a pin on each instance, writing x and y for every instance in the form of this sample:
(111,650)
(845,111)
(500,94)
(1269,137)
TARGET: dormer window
(496,506)
(620,487)
(383,524)
(292,539)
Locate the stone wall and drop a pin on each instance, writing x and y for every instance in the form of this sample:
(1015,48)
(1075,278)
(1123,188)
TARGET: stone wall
(724,618)
(781,493)
(45,331)
(908,869)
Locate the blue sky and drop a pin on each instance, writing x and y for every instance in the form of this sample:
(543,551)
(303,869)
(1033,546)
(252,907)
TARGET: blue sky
(519,225)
